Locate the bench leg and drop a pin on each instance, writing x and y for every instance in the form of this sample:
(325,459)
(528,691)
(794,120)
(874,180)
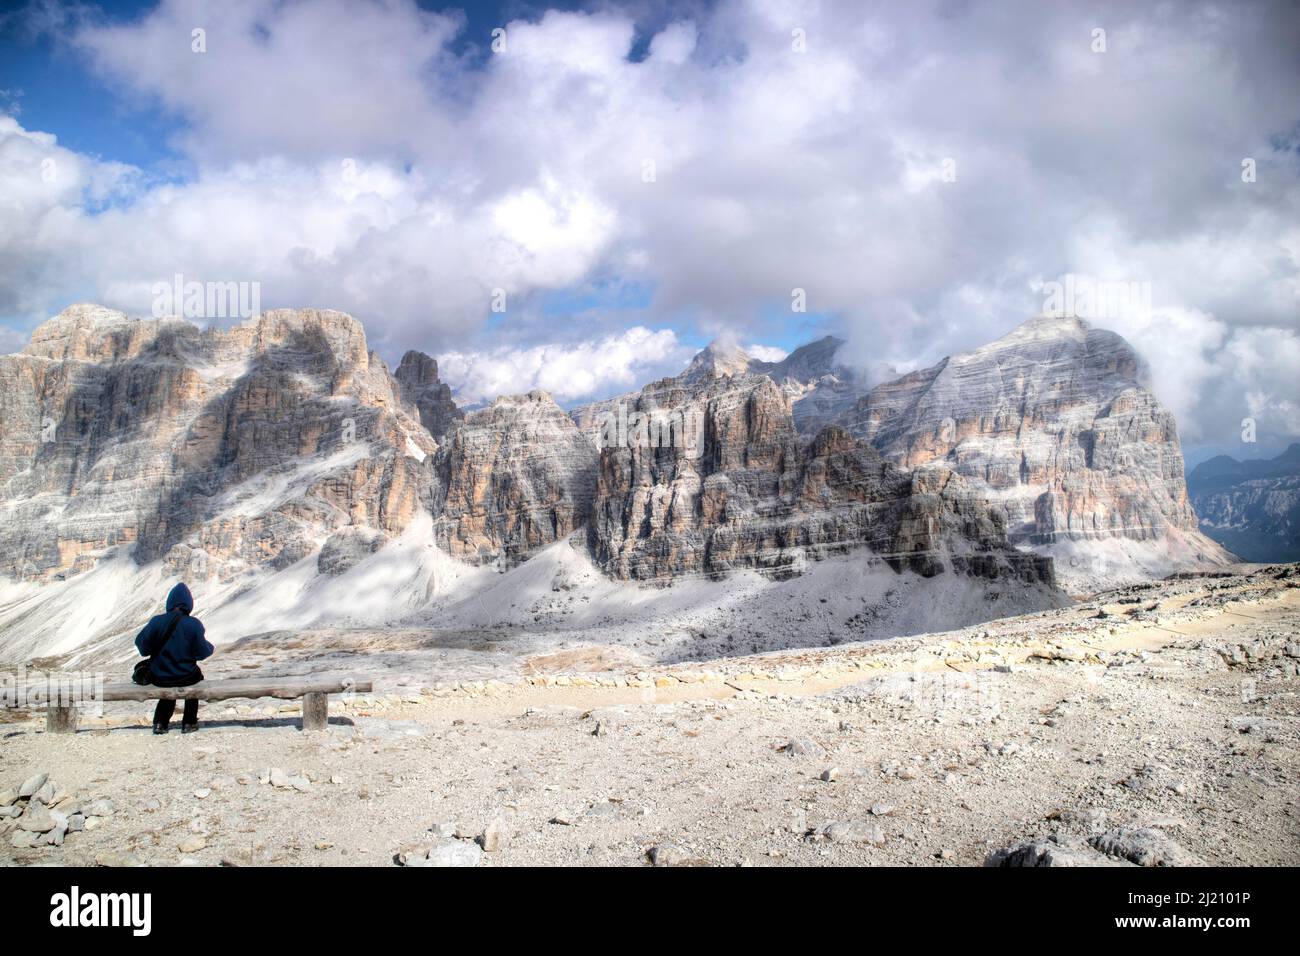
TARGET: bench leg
(315,711)
(60,720)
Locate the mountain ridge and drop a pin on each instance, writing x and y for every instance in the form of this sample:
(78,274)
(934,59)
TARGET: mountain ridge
(285,446)
(1251,506)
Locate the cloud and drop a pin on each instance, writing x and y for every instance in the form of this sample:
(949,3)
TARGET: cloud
(917,169)
(584,370)
(297,80)
(765,353)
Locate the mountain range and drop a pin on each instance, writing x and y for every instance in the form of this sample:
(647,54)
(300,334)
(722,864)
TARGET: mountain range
(280,465)
(1251,507)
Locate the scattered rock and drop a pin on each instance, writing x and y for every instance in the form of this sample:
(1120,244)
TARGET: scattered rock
(804,747)
(37,819)
(602,808)
(45,794)
(443,854)
(100,808)
(496,836)
(670,854)
(1051,851)
(1093,818)
(192,844)
(25,840)
(1143,779)
(1144,846)
(32,784)
(412,855)
(1251,725)
(847,831)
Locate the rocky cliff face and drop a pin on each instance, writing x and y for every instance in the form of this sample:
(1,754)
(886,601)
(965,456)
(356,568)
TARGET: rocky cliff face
(1251,507)
(819,388)
(512,478)
(751,494)
(417,375)
(278,464)
(215,451)
(1057,423)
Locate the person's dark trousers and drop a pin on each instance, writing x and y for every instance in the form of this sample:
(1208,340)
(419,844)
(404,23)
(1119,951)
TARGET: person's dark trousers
(162,714)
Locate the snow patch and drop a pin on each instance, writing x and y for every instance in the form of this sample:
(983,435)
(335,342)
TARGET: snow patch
(556,599)
(414,450)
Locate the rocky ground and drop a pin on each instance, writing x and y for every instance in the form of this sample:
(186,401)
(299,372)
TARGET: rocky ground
(1155,725)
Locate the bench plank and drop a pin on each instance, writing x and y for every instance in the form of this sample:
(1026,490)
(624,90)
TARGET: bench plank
(281,687)
(61,715)
(217,689)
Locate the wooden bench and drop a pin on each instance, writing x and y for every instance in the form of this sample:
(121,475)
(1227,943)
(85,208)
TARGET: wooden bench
(61,714)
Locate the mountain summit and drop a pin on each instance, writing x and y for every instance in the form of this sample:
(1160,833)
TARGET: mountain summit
(717,360)
(1057,423)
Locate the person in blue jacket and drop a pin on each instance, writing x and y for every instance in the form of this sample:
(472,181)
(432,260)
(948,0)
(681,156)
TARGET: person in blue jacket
(175,660)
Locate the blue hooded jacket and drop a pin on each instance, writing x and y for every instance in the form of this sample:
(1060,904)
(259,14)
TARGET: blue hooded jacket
(176,664)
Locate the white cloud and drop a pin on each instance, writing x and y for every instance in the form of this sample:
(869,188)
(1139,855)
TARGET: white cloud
(345,155)
(573,372)
(765,353)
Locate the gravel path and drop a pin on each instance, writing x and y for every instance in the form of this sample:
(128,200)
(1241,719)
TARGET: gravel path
(1179,723)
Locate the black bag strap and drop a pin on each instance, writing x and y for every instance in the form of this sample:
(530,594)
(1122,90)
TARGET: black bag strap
(167,635)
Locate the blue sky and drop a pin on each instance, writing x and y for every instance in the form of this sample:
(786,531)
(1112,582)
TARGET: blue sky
(53,87)
(380,158)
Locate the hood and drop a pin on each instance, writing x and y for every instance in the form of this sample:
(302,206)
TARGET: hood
(180,597)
